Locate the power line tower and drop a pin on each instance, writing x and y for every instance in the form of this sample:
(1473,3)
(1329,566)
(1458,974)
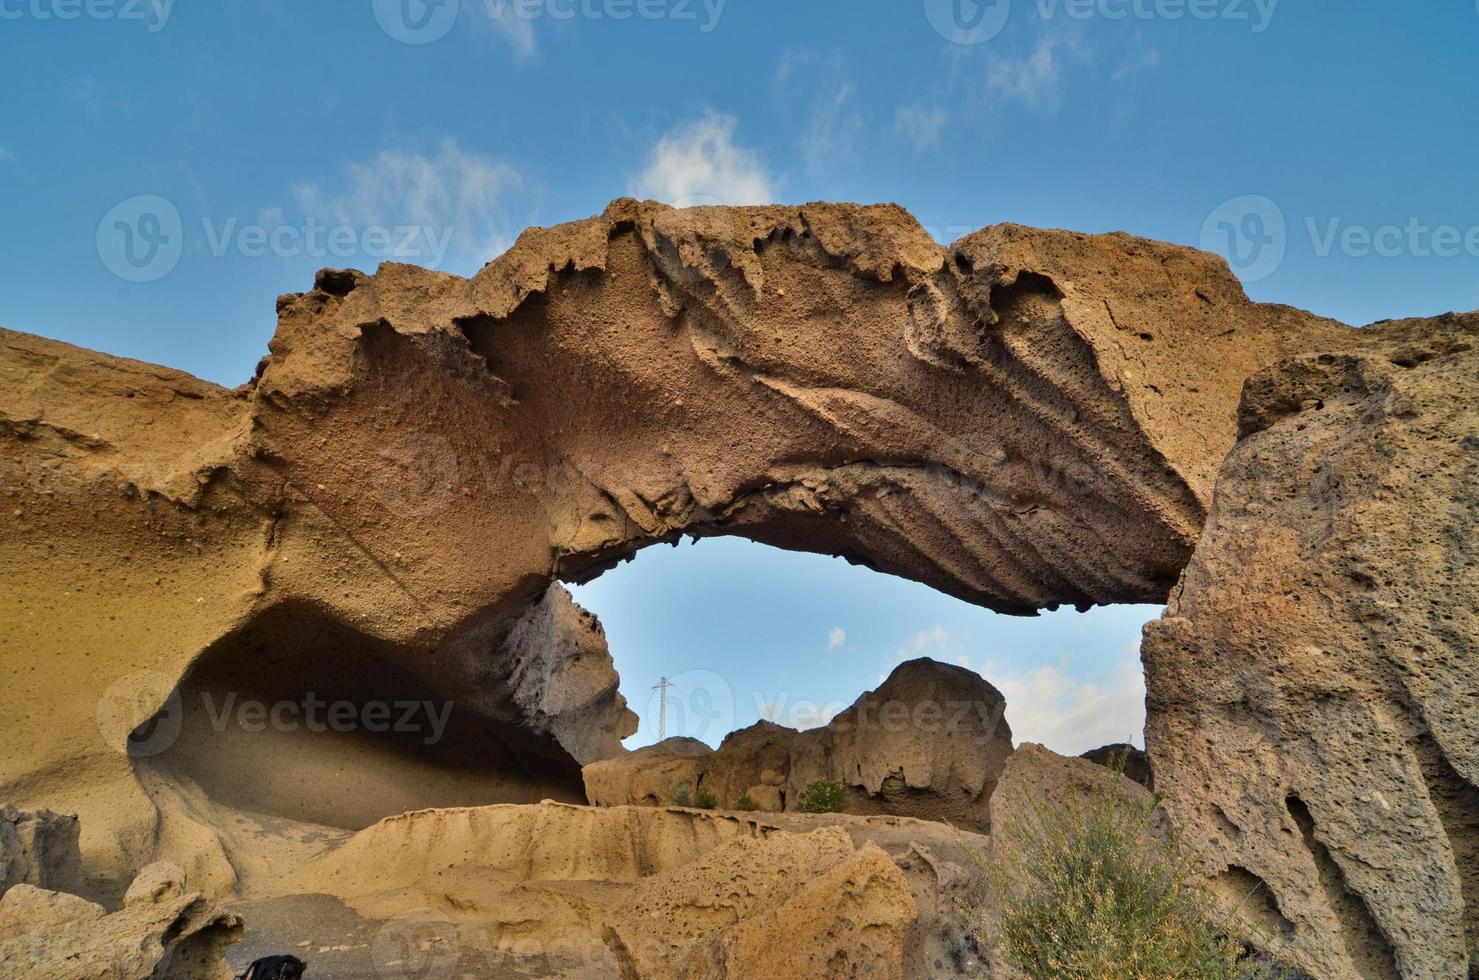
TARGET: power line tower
(661,687)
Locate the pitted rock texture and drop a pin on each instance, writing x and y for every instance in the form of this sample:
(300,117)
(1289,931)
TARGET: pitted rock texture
(929,743)
(1313,685)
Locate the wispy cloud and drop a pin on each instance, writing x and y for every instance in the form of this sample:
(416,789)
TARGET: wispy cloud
(920,126)
(461,194)
(699,163)
(1135,63)
(816,93)
(506,21)
(1035,80)
(5,154)
(836,637)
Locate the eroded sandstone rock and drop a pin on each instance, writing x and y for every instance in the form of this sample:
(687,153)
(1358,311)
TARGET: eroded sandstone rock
(1312,688)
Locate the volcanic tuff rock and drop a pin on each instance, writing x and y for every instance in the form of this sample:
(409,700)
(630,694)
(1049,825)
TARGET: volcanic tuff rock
(1313,685)
(928,743)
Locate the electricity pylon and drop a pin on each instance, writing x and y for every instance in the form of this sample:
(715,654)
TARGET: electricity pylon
(661,687)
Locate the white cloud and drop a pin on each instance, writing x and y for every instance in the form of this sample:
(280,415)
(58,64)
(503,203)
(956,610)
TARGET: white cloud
(459,196)
(836,637)
(515,28)
(920,126)
(5,155)
(1034,80)
(1069,716)
(699,163)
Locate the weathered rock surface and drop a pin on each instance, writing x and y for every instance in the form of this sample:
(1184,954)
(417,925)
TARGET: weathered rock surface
(39,848)
(1312,688)
(928,743)
(161,934)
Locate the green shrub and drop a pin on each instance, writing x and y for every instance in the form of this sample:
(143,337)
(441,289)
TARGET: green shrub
(746,803)
(821,796)
(1087,891)
(705,800)
(680,796)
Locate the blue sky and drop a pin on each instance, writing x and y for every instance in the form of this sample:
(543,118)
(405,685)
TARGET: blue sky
(168,166)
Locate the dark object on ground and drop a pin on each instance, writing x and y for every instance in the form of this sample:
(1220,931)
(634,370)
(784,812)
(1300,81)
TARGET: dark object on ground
(275,968)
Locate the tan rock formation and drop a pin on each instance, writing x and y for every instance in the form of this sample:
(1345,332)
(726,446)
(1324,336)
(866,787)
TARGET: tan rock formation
(928,744)
(655,775)
(1312,687)
(40,849)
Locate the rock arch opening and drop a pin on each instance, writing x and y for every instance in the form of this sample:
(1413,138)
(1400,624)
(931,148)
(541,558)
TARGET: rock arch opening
(755,642)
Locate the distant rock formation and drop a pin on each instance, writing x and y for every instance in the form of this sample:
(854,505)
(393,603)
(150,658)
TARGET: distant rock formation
(1130,761)
(928,743)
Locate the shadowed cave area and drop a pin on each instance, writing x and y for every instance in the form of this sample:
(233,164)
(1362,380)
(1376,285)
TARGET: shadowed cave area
(300,717)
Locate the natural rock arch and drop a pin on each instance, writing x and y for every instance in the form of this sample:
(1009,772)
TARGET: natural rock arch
(1023,419)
